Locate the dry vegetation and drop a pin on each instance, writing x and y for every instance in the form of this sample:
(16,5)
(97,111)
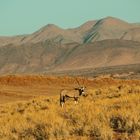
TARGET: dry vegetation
(111,111)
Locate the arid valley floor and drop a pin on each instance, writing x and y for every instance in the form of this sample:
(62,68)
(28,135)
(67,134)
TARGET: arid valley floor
(30,109)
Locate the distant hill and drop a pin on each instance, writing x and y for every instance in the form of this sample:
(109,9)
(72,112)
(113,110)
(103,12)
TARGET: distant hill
(98,43)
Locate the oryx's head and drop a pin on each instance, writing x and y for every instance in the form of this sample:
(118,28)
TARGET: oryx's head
(81,89)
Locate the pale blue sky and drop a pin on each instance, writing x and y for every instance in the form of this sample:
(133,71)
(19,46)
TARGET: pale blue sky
(27,16)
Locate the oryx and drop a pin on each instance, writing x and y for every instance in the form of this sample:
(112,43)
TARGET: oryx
(72,94)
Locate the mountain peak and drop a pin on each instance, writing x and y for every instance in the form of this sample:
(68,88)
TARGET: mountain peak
(107,28)
(113,20)
(49,27)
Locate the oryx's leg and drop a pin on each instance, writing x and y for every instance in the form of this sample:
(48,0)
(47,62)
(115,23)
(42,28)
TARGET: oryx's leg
(62,100)
(62,104)
(76,100)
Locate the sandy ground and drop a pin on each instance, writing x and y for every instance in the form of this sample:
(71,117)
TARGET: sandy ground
(17,88)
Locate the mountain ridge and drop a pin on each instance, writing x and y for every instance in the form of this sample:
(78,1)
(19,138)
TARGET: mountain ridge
(98,43)
(94,30)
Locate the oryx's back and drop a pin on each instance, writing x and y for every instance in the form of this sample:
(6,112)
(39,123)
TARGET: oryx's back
(70,93)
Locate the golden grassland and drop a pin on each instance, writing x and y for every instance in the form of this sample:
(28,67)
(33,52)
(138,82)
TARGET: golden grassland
(111,111)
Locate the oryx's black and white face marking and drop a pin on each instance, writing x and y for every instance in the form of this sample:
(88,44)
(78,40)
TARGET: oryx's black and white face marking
(82,91)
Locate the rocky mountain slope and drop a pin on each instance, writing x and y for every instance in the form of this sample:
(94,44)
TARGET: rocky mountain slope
(98,43)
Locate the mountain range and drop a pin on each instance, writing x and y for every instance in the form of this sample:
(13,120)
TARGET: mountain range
(98,43)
